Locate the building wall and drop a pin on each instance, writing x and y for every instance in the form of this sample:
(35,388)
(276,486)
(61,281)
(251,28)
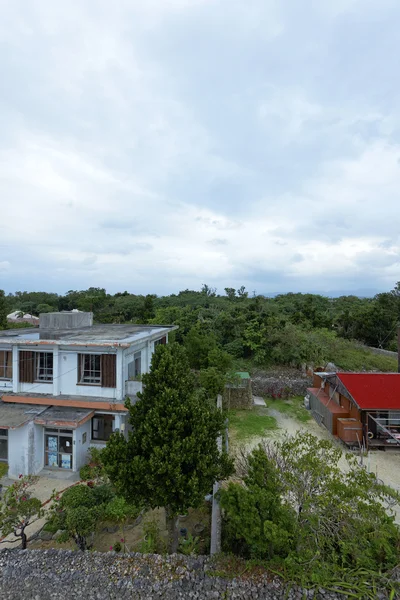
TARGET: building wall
(65,371)
(68,376)
(25,450)
(81,448)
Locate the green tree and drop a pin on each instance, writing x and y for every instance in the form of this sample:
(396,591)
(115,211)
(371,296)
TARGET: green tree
(212,381)
(198,344)
(171,457)
(3,311)
(258,522)
(79,510)
(19,508)
(231,293)
(44,308)
(146,311)
(341,519)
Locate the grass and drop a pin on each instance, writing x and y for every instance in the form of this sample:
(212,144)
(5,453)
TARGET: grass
(294,407)
(352,357)
(244,424)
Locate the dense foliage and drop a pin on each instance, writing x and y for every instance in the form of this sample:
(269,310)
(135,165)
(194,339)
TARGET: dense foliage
(171,458)
(290,329)
(297,508)
(82,508)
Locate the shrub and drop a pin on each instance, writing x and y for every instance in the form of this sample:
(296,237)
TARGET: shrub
(77,496)
(103,494)
(86,473)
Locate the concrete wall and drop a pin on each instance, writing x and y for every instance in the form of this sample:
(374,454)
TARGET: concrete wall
(25,450)
(65,320)
(81,448)
(65,372)
(68,377)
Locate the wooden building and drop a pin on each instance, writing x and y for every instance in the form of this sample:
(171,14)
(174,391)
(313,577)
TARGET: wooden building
(358,408)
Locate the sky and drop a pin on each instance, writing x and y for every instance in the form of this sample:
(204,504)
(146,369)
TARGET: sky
(153,146)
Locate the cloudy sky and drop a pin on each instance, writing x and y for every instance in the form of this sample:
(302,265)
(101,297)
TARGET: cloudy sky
(155,145)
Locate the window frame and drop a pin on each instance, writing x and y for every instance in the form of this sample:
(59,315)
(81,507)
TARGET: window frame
(43,373)
(99,417)
(4,437)
(89,379)
(6,362)
(137,363)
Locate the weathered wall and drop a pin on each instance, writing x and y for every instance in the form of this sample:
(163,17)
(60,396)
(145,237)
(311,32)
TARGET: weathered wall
(80,448)
(238,397)
(287,382)
(25,450)
(60,574)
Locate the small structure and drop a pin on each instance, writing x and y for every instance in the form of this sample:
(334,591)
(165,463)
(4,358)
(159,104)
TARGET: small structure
(239,394)
(19,317)
(358,408)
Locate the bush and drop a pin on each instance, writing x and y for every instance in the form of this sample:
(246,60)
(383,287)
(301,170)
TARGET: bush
(52,526)
(103,494)
(86,473)
(78,496)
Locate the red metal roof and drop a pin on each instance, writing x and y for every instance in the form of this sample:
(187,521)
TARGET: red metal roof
(373,390)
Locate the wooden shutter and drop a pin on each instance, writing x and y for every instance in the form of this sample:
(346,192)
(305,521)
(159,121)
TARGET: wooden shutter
(108,371)
(26,366)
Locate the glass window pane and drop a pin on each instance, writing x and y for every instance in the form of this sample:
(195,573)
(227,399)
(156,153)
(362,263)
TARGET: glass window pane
(3,449)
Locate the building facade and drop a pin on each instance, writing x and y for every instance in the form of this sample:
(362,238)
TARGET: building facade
(63,388)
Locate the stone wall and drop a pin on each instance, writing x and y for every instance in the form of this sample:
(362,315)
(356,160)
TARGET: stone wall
(285,382)
(60,574)
(238,396)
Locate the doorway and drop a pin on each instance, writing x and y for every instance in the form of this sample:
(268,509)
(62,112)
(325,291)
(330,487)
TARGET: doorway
(58,448)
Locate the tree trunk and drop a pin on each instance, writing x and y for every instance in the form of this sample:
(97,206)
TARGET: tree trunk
(80,542)
(172,526)
(24,540)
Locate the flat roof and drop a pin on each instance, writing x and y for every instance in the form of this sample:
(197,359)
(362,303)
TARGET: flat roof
(15,415)
(63,417)
(96,335)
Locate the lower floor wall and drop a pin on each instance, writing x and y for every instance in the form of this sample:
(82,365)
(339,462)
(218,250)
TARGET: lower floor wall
(27,446)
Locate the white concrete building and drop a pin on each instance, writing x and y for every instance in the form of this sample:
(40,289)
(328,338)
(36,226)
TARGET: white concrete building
(63,387)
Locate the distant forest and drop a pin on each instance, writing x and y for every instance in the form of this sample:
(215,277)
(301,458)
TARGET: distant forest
(235,327)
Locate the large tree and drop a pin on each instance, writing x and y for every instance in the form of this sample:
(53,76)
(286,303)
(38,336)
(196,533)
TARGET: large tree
(171,457)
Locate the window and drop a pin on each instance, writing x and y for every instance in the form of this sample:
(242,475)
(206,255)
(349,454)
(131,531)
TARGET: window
(43,366)
(3,445)
(137,360)
(5,364)
(102,427)
(89,369)
(135,366)
(84,436)
(163,340)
